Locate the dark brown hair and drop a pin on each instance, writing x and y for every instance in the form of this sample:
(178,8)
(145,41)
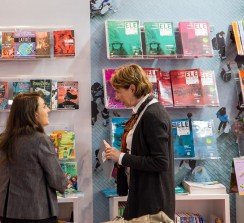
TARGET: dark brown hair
(21,121)
(126,75)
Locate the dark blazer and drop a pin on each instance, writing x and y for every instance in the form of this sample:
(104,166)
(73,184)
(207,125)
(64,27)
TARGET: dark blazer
(151,165)
(33,178)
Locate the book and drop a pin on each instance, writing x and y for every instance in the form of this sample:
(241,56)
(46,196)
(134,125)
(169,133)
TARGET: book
(54,97)
(237,37)
(42,44)
(186,88)
(205,142)
(209,88)
(1,42)
(241,78)
(20,87)
(204,188)
(109,93)
(160,39)
(4,94)
(24,44)
(64,43)
(44,88)
(123,39)
(164,89)
(239,172)
(7,45)
(110,192)
(195,39)
(182,138)
(68,95)
(117,130)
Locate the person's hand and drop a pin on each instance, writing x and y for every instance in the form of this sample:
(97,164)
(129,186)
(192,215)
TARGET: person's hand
(112,154)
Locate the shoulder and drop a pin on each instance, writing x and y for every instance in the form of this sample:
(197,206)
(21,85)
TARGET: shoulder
(41,138)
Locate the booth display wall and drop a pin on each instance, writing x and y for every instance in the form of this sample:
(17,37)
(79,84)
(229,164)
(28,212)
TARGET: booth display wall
(219,14)
(52,15)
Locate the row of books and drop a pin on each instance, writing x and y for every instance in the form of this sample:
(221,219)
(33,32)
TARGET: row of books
(189,217)
(64,144)
(125,39)
(57,94)
(178,88)
(191,139)
(32,44)
(238,30)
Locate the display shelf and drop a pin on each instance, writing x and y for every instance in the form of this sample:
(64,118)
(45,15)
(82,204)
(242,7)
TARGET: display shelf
(204,204)
(76,205)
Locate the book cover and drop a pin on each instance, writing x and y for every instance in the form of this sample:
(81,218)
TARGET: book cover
(164,89)
(4,93)
(152,77)
(44,88)
(239,171)
(70,170)
(195,39)
(42,44)
(241,78)
(117,130)
(123,39)
(109,93)
(160,39)
(182,137)
(237,37)
(54,97)
(209,88)
(64,43)
(68,95)
(20,87)
(205,142)
(1,42)
(24,44)
(7,45)
(186,88)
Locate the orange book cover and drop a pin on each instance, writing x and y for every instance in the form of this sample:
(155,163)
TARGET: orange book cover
(8,45)
(241,76)
(237,36)
(42,44)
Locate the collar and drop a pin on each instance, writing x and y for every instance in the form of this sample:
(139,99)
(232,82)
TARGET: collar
(135,108)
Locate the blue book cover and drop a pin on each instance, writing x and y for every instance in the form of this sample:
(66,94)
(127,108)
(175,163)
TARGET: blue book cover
(182,138)
(21,87)
(205,142)
(117,130)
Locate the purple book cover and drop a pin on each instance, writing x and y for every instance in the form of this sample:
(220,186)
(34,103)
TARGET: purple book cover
(109,93)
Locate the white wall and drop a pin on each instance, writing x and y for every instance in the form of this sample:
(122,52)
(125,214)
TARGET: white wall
(52,14)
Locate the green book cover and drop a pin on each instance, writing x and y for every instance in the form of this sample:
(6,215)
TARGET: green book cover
(123,39)
(160,39)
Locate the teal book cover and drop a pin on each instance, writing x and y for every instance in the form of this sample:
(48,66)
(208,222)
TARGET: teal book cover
(123,39)
(182,138)
(160,39)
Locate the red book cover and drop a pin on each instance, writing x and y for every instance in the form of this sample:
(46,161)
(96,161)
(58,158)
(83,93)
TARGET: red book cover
(209,88)
(152,77)
(195,39)
(186,87)
(8,45)
(64,43)
(164,89)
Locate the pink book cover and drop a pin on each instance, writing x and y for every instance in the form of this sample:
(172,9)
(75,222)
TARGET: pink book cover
(152,77)
(195,39)
(164,89)
(186,88)
(109,92)
(209,88)
(239,170)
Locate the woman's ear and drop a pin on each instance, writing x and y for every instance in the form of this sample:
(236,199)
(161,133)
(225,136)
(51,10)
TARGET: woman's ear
(133,88)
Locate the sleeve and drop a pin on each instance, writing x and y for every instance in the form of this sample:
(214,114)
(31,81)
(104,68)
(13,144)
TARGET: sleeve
(156,133)
(52,169)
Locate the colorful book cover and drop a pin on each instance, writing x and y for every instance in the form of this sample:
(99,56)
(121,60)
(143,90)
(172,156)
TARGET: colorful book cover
(205,143)
(1,42)
(182,138)
(42,44)
(195,39)
(237,36)
(54,98)
(24,45)
(209,88)
(241,78)
(70,170)
(66,144)
(123,39)
(164,89)
(117,130)
(186,88)
(68,95)
(152,77)
(8,45)
(64,43)
(44,88)
(4,95)
(239,170)
(160,39)
(21,87)
(109,92)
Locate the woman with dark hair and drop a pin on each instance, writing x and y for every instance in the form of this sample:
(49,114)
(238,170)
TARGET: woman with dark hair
(146,149)
(30,173)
